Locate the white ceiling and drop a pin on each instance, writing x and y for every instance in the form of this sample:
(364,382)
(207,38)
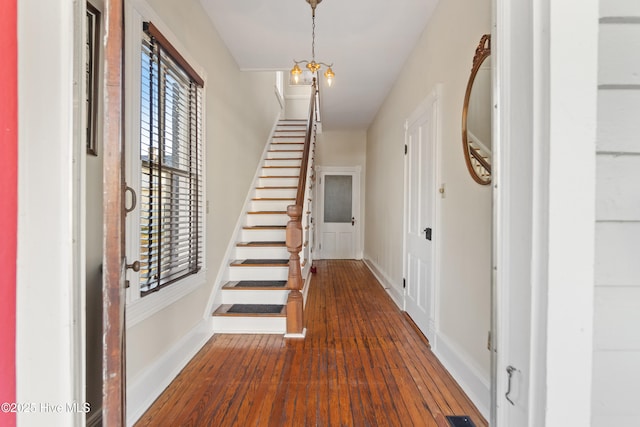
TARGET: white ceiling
(368,42)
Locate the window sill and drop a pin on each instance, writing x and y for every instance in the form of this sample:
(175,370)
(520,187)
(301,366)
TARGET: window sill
(144,307)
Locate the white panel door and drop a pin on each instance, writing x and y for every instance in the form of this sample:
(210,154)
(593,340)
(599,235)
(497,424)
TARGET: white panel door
(419,219)
(338,216)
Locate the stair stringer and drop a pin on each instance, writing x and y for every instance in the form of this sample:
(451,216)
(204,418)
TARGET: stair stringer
(222,269)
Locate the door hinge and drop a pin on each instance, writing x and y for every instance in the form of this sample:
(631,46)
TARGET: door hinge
(404,283)
(406,148)
(489,340)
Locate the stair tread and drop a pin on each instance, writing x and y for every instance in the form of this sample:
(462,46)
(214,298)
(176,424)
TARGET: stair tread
(281,187)
(280,167)
(265,227)
(283,158)
(260,263)
(252,285)
(251,310)
(266,212)
(272,199)
(267,243)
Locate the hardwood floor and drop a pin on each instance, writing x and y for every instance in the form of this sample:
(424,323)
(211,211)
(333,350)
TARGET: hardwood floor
(362,364)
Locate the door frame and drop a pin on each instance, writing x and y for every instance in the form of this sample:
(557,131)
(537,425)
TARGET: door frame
(430,105)
(356,171)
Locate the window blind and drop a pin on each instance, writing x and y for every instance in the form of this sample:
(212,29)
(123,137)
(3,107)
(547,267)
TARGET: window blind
(171,218)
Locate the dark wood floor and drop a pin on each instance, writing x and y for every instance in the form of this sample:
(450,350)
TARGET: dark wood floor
(361,364)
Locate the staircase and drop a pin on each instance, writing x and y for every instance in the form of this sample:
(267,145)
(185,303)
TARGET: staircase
(253,295)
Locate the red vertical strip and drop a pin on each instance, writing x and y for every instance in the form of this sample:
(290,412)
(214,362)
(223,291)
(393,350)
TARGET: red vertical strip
(8,206)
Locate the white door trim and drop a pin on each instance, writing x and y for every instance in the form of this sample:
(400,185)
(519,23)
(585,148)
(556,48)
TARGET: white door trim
(431,104)
(319,196)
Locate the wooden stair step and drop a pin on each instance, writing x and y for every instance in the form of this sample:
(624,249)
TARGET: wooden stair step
(252,285)
(272,199)
(282,187)
(267,212)
(260,263)
(284,158)
(261,244)
(281,167)
(257,310)
(264,227)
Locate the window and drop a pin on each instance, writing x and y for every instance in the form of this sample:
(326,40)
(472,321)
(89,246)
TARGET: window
(171,197)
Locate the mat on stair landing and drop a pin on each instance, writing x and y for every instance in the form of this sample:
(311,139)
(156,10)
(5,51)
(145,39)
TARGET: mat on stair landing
(460,421)
(255,308)
(261,284)
(265,261)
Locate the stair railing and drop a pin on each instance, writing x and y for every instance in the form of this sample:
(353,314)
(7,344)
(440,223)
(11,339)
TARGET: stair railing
(295,303)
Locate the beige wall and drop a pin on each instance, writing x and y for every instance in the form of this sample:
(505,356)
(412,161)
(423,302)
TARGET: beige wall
(442,55)
(240,109)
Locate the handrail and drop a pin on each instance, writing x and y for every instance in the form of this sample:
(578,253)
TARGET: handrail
(302,182)
(295,304)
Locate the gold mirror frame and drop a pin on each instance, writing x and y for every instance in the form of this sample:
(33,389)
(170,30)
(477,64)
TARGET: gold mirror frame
(479,165)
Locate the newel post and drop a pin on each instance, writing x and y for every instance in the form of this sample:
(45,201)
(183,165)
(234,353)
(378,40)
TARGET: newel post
(294,281)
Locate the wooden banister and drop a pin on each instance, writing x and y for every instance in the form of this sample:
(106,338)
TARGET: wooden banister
(295,303)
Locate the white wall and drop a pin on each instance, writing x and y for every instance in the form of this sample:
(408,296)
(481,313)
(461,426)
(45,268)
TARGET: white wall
(442,55)
(616,346)
(46,284)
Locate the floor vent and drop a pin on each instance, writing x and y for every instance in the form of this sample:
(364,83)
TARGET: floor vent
(460,421)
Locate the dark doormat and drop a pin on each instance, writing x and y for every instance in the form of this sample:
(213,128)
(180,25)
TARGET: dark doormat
(261,284)
(265,261)
(255,308)
(460,421)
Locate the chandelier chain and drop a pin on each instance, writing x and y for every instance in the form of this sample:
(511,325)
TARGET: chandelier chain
(313,37)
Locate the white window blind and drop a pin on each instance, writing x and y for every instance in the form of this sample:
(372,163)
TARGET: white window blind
(171,199)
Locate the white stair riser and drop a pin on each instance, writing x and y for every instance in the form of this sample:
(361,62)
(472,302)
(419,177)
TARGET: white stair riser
(257,252)
(292,162)
(271,205)
(267,219)
(245,296)
(286,145)
(290,132)
(292,124)
(279,154)
(288,193)
(262,235)
(279,171)
(259,273)
(278,182)
(249,325)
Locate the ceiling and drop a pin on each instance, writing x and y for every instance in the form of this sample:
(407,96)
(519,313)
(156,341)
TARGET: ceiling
(368,42)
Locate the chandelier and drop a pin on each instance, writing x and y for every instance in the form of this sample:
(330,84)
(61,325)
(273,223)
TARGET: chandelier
(312,65)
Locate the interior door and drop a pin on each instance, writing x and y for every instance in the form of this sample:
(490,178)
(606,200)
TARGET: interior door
(338,214)
(419,219)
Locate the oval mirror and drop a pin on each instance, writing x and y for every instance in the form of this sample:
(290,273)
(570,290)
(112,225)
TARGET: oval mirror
(476,115)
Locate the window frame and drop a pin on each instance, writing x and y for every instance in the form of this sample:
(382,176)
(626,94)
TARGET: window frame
(138,307)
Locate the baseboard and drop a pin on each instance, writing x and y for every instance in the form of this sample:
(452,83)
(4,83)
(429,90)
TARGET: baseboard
(95,419)
(474,383)
(395,293)
(145,388)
